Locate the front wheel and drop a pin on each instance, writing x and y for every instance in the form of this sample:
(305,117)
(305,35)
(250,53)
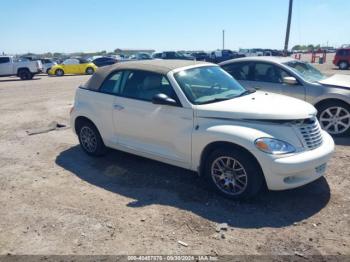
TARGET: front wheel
(59,72)
(233,173)
(334,117)
(89,71)
(24,74)
(90,139)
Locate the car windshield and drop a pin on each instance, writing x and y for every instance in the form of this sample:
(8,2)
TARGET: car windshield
(208,84)
(307,71)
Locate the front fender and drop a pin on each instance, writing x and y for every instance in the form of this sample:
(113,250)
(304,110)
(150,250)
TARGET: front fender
(343,95)
(236,134)
(54,68)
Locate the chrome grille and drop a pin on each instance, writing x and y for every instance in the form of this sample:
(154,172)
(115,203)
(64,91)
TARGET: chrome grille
(311,133)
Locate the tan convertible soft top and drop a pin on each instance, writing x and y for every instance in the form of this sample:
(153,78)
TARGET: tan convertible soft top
(155,66)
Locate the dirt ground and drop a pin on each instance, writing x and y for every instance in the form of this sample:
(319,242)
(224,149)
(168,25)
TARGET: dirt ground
(54,199)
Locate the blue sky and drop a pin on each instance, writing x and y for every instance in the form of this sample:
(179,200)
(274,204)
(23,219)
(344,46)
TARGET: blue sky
(94,25)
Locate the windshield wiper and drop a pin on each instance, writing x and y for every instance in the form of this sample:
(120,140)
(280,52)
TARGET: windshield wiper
(247,92)
(216,100)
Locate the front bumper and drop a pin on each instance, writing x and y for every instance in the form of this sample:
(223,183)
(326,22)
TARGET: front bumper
(299,169)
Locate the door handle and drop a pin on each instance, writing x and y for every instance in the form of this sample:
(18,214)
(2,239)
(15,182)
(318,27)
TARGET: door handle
(118,107)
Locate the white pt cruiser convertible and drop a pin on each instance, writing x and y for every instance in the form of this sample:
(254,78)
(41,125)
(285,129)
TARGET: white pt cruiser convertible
(196,116)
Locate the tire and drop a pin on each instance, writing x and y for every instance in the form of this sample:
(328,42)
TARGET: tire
(89,71)
(25,74)
(59,72)
(343,65)
(244,181)
(334,117)
(90,139)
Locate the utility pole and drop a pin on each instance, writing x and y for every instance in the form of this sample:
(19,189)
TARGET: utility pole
(223,39)
(288,27)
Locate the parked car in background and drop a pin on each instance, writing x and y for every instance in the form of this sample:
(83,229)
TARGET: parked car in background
(47,64)
(287,76)
(223,55)
(171,55)
(196,116)
(75,66)
(104,61)
(200,56)
(342,58)
(25,69)
(252,52)
(140,56)
(157,55)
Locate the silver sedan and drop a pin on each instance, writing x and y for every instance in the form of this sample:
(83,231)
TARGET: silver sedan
(284,75)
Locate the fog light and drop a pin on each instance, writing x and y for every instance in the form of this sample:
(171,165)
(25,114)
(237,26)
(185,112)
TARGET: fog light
(289,179)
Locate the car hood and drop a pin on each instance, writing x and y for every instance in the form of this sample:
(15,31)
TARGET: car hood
(259,106)
(337,80)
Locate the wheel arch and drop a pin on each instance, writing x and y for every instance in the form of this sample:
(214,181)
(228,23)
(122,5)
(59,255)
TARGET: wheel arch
(80,120)
(21,69)
(343,60)
(211,147)
(329,100)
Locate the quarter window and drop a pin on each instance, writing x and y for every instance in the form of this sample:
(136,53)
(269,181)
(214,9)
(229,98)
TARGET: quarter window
(145,85)
(112,84)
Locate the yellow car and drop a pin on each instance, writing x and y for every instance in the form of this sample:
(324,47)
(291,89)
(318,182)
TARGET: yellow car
(74,66)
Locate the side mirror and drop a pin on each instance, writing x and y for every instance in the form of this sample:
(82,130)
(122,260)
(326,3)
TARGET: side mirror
(290,80)
(163,99)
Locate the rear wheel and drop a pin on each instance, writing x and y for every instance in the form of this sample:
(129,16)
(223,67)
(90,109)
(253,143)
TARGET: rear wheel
(343,65)
(59,72)
(24,74)
(90,139)
(89,71)
(334,117)
(233,173)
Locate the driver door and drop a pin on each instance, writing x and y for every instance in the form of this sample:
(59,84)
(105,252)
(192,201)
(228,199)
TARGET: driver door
(157,131)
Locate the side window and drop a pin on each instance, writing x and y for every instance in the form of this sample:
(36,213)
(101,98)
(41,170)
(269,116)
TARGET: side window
(239,71)
(281,74)
(4,60)
(112,84)
(264,72)
(145,85)
(71,62)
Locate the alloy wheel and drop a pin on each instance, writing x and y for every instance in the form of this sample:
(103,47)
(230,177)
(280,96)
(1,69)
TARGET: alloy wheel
(88,139)
(343,65)
(59,72)
(89,71)
(229,175)
(335,120)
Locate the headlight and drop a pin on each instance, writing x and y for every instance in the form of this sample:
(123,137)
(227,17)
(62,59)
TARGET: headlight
(274,146)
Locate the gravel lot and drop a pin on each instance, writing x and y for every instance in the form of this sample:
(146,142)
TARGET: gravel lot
(56,200)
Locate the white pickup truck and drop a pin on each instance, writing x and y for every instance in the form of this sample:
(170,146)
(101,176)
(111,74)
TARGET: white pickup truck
(10,66)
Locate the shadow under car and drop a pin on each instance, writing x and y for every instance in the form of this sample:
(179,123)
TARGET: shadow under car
(151,182)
